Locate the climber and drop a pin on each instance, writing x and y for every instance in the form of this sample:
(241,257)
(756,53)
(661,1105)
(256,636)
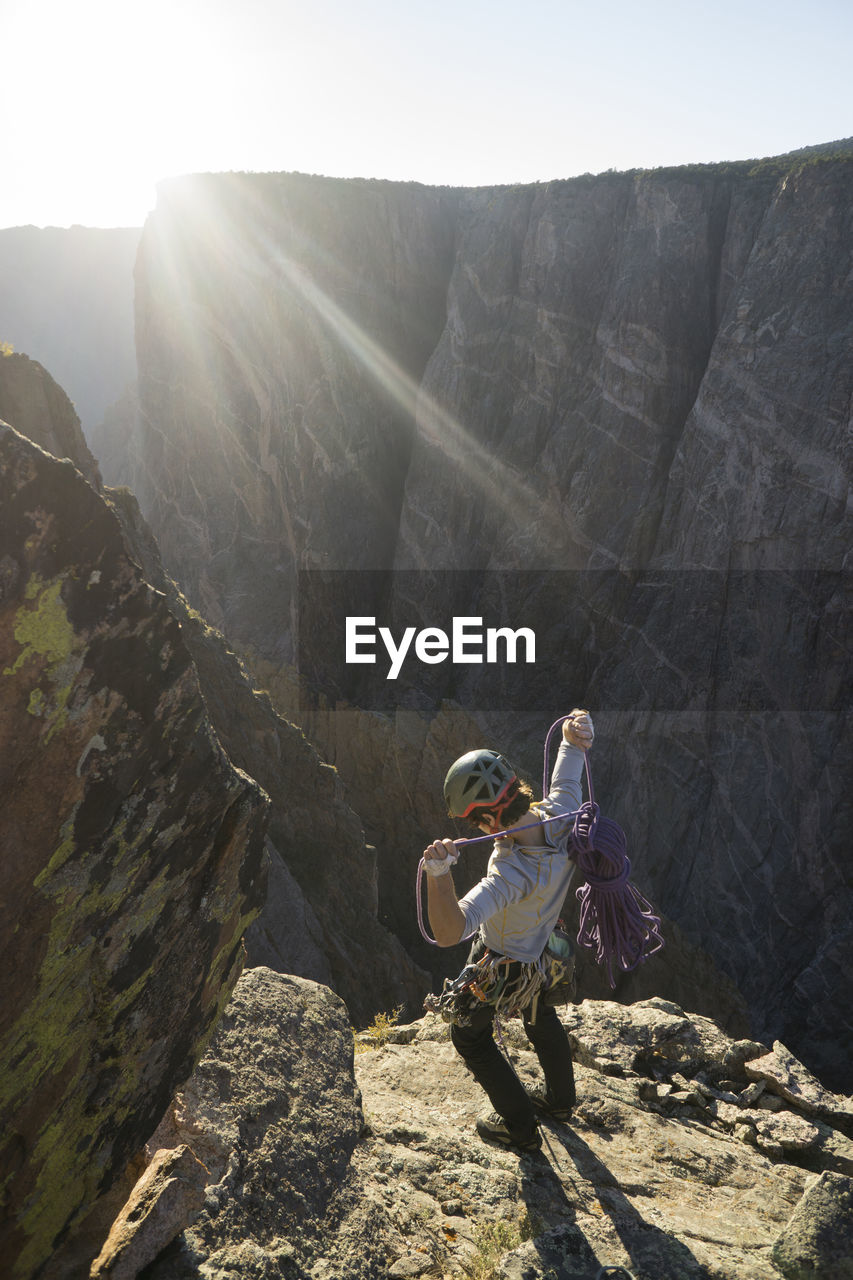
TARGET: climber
(513,909)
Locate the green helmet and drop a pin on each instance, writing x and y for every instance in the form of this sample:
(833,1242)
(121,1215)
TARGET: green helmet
(479,780)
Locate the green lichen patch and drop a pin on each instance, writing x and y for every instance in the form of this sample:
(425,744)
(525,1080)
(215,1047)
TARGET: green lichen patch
(42,629)
(47,641)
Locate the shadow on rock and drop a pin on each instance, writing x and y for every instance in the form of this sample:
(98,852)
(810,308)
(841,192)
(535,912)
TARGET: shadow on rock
(562,1251)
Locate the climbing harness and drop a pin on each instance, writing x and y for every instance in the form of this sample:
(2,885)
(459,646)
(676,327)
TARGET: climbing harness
(616,921)
(508,986)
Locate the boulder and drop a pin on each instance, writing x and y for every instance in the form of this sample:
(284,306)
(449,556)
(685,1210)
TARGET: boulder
(274,1112)
(817,1242)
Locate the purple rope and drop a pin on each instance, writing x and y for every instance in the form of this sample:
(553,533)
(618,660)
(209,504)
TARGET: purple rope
(616,921)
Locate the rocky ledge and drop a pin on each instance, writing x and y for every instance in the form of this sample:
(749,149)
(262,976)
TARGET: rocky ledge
(287,1155)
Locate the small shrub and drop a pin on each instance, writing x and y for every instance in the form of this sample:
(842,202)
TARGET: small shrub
(495,1240)
(6,349)
(378,1033)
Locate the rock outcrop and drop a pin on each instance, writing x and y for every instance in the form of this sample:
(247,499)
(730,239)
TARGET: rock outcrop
(613,409)
(132,856)
(315,922)
(39,408)
(675,1165)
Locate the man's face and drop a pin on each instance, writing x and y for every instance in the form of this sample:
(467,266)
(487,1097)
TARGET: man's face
(485,820)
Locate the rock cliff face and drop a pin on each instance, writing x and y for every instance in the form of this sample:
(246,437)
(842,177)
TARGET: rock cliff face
(132,855)
(317,328)
(613,408)
(39,408)
(689,1155)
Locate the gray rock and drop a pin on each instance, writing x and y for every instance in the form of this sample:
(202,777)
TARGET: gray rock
(320,918)
(302,1188)
(788,1078)
(35,405)
(165,1200)
(787,1132)
(817,1243)
(131,855)
(652,373)
(750,1096)
(274,1112)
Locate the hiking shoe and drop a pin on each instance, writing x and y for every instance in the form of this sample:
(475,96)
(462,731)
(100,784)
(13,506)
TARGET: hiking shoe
(493,1128)
(543,1103)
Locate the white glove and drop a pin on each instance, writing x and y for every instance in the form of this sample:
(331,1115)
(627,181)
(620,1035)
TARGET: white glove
(439,863)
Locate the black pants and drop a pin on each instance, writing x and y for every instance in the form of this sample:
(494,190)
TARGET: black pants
(476,1045)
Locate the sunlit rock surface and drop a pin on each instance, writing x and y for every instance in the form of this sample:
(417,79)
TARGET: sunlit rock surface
(632,392)
(38,407)
(316,329)
(131,848)
(673,1166)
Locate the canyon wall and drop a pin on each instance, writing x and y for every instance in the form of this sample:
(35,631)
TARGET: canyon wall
(613,409)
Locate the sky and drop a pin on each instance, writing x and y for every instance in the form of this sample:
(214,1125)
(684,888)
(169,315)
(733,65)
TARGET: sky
(102,98)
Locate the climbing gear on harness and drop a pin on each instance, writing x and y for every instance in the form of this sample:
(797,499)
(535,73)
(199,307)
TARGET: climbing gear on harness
(494,1128)
(507,986)
(616,921)
(559,957)
(479,780)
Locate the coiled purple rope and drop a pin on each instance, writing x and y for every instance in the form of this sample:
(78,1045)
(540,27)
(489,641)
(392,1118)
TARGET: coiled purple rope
(616,921)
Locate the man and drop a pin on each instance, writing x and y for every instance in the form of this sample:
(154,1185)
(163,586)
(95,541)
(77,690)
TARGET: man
(513,909)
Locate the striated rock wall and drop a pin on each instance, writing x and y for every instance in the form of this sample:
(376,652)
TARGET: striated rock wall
(314,328)
(620,403)
(131,855)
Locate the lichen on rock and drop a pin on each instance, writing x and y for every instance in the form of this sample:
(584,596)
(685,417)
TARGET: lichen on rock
(131,852)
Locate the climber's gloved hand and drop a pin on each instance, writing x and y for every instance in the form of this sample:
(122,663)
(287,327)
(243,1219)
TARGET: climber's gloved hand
(440,857)
(578,730)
